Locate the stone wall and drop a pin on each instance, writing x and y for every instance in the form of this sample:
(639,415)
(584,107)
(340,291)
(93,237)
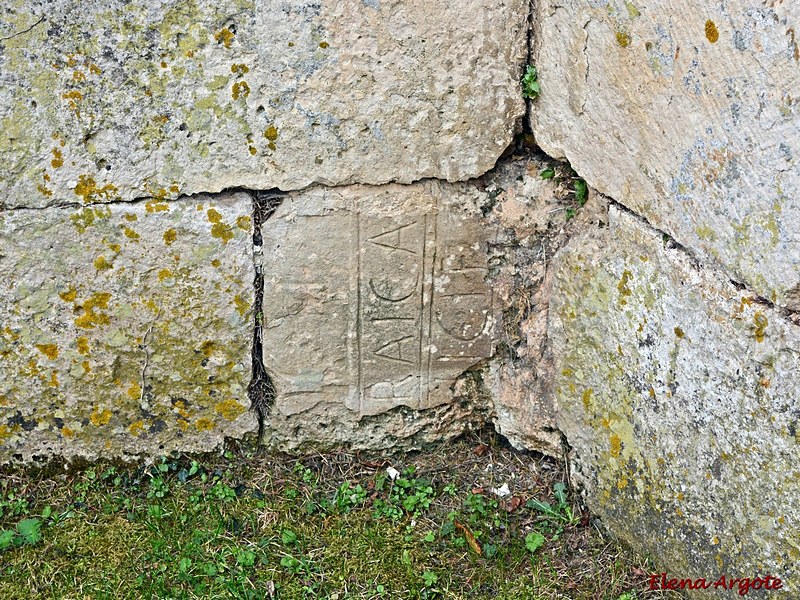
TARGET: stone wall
(326,223)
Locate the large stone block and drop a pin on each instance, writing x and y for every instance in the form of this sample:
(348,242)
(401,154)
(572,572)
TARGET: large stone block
(687,113)
(678,394)
(125,328)
(117,99)
(375,299)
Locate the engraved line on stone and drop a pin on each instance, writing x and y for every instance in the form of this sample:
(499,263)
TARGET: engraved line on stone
(430,308)
(397,233)
(398,344)
(359,388)
(400,299)
(379,319)
(461,336)
(353,308)
(423,385)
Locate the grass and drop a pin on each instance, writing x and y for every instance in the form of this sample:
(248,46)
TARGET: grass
(336,526)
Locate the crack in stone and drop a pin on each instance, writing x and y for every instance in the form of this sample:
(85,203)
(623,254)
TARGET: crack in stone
(144,403)
(24,31)
(699,264)
(261,390)
(586,73)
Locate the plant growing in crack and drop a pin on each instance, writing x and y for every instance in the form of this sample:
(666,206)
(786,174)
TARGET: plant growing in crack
(573,187)
(530,83)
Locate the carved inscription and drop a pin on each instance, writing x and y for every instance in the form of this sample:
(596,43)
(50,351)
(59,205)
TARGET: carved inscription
(383,310)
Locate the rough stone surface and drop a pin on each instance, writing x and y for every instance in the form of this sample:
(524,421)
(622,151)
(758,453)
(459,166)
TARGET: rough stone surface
(113,99)
(125,328)
(687,114)
(678,394)
(530,216)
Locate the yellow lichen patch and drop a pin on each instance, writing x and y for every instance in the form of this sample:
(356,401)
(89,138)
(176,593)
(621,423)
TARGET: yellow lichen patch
(164,274)
(154,206)
(183,424)
(100,263)
(5,432)
(622,483)
(94,69)
(83,346)
(224,36)
(239,69)
(90,317)
(623,39)
(134,392)
(67,432)
(44,190)
(58,158)
(169,236)
(244,223)
(587,398)
(131,217)
(136,428)
(32,369)
(69,295)
(86,366)
(616,445)
(216,262)
(252,150)
(204,424)
(49,350)
(130,233)
(271,133)
(73,98)
(242,306)
(100,417)
(114,247)
(712,34)
(240,90)
(622,287)
(324,45)
(229,410)
(219,229)
(180,408)
(679,333)
(207,347)
(760,323)
(222,231)
(88,190)
(53,380)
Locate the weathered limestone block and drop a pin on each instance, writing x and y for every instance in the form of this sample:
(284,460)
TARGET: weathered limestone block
(678,394)
(375,299)
(530,216)
(398,314)
(688,114)
(125,328)
(118,99)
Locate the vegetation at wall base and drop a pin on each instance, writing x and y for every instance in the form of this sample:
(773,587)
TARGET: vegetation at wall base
(471,519)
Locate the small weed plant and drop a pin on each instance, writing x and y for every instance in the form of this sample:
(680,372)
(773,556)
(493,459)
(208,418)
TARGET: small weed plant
(576,190)
(530,83)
